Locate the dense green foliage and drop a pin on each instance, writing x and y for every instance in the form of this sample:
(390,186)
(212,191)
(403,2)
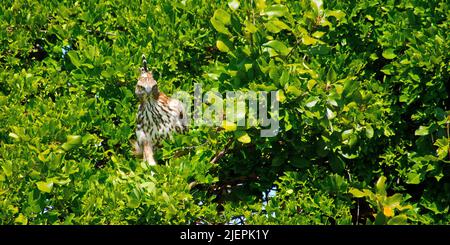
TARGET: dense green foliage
(364,112)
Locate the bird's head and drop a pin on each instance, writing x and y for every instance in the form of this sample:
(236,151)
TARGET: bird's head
(146,87)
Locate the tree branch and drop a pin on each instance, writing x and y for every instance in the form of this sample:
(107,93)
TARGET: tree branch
(220,154)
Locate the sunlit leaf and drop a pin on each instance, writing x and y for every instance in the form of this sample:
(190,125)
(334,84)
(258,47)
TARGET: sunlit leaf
(389,54)
(245,138)
(222,46)
(45,186)
(422,131)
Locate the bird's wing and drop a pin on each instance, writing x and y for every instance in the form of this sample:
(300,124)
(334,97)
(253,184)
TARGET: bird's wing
(178,108)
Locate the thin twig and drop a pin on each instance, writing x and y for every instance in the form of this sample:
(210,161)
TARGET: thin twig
(219,155)
(293,48)
(448,137)
(253,12)
(357,213)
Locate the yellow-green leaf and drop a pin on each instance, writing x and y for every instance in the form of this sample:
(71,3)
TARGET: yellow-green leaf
(219,26)
(389,54)
(244,139)
(74,58)
(280,96)
(229,126)
(317,6)
(398,220)
(339,89)
(277,10)
(293,90)
(423,130)
(261,4)
(222,46)
(311,84)
(14,136)
(21,219)
(307,40)
(357,193)
(72,141)
(250,27)
(338,14)
(45,186)
(222,16)
(369,131)
(278,46)
(381,186)
(318,34)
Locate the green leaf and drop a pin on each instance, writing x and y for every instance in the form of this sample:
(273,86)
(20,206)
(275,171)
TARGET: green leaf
(338,14)
(223,16)
(278,160)
(380,219)
(339,89)
(381,185)
(7,167)
(346,134)
(133,202)
(250,27)
(45,186)
(373,56)
(369,17)
(311,84)
(389,54)
(398,220)
(21,219)
(443,147)
(369,131)
(331,75)
(311,102)
(244,139)
(222,46)
(284,78)
(332,102)
(229,126)
(293,91)
(74,58)
(307,40)
(317,6)
(330,114)
(276,26)
(280,96)
(220,27)
(318,34)
(14,136)
(277,10)
(72,141)
(413,178)
(357,193)
(422,131)
(260,4)
(278,46)
(393,201)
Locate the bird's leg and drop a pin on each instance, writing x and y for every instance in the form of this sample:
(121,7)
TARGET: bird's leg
(137,148)
(148,153)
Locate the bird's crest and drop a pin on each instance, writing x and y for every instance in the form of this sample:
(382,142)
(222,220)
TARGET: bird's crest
(146,78)
(144,64)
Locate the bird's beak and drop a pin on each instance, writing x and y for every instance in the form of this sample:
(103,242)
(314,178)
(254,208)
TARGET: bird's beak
(148,89)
